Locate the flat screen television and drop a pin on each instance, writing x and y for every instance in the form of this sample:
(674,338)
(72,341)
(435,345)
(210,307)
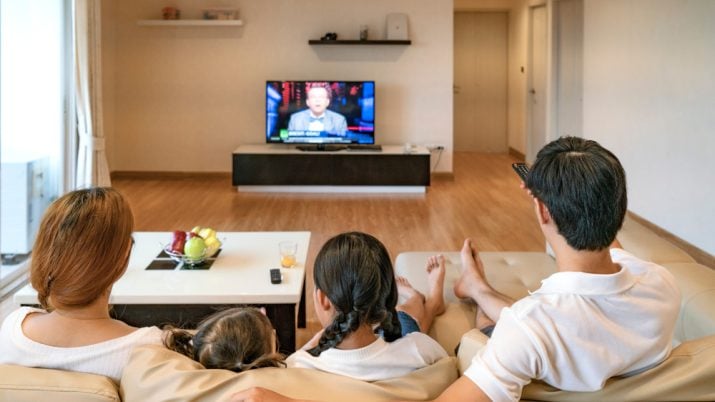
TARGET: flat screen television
(320,112)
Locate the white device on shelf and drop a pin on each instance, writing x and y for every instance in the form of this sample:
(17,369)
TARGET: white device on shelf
(397,27)
(25,195)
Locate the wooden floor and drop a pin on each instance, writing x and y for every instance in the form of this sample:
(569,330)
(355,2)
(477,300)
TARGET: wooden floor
(483,201)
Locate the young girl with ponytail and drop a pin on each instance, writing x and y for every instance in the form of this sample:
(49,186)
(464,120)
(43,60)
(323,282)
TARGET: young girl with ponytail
(356,295)
(237,339)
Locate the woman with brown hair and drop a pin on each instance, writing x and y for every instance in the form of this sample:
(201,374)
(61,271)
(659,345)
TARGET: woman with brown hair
(82,249)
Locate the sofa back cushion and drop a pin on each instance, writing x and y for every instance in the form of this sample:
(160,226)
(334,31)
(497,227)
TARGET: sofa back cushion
(697,308)
(157,374)
(26,384)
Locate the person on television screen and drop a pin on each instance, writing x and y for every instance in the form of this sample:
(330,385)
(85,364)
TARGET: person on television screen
(317,117)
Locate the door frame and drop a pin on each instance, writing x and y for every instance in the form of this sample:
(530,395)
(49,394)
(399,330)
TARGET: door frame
(552,74)
(530,153)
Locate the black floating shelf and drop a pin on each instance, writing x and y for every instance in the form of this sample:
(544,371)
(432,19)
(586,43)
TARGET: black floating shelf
(358,42)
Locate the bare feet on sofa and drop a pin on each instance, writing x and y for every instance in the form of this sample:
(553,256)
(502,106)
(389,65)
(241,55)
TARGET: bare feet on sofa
(413,301)
(472,279)
(436,268)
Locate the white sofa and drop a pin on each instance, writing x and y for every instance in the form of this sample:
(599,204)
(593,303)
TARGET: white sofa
(156,374)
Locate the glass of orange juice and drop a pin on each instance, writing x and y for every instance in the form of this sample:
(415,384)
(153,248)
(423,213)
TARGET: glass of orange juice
(288,249)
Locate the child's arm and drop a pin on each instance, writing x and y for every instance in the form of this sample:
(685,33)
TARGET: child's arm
(313,342)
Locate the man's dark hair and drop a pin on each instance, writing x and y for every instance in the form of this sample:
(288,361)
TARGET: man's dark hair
(584,187)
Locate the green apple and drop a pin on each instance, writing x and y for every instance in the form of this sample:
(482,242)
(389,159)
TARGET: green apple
(194,248)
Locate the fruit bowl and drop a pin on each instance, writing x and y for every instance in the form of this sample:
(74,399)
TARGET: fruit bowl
(179,257)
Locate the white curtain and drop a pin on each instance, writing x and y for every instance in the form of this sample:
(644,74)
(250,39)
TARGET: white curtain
(92,167)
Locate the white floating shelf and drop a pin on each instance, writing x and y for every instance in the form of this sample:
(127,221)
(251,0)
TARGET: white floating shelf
(213,23)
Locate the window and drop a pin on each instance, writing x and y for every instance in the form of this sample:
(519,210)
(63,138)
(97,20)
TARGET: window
(35,71)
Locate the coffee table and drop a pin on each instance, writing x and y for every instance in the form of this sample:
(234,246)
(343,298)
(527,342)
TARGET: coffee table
(183,295)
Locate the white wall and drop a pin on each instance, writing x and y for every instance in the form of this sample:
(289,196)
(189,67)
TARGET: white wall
(649,96)
(181,99)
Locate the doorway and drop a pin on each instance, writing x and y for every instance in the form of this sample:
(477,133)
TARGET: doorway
(537,97)
(480,81)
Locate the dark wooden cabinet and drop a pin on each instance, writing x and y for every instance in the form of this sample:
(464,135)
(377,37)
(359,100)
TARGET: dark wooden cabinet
(256,165)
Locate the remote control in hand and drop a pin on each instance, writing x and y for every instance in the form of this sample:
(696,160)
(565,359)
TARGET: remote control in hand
(276,276)
(521,169)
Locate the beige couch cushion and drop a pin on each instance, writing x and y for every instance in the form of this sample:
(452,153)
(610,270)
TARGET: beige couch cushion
(25,384)
(697,311)
(157,374)
(688,374)
(646,245)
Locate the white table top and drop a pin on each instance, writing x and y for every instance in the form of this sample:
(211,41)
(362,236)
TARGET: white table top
(239,275)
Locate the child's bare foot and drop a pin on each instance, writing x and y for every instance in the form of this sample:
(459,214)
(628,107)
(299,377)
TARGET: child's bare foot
(414,301)
(472,279)
(436,268)
(405,289)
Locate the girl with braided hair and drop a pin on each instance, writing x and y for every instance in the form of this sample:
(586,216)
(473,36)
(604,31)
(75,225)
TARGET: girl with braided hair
(355,297)
(236,339)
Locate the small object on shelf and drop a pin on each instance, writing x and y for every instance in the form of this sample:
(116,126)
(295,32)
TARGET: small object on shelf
(329,36)
(397,26)
(220,13)
(170,13)
(363,32)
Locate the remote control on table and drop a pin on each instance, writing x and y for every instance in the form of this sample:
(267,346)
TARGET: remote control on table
(276,276)
(521,169)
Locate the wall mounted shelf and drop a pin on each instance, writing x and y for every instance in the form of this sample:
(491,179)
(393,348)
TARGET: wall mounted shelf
(176,23)
(359,42)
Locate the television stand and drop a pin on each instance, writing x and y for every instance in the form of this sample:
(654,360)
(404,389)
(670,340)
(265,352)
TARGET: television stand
(263,167)
(321,147)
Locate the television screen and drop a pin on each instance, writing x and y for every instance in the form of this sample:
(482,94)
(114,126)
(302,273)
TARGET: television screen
(320,112)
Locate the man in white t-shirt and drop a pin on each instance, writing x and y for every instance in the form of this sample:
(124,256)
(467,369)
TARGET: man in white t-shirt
(604,313)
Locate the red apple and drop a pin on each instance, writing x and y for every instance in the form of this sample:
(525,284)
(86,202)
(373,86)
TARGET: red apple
(177,241)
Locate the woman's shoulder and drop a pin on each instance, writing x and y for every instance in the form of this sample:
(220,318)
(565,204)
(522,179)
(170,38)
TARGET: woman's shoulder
(144,336)
(16,317)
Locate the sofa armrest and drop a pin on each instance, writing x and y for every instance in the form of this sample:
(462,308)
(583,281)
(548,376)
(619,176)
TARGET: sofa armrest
(470,344)
(28,384)
(686,375)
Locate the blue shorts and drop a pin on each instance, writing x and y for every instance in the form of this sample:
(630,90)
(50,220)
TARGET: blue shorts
(488,330)
(408,323)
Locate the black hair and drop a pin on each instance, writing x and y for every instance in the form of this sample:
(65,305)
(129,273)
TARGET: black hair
(236,339)
(584,187)
(355,272)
